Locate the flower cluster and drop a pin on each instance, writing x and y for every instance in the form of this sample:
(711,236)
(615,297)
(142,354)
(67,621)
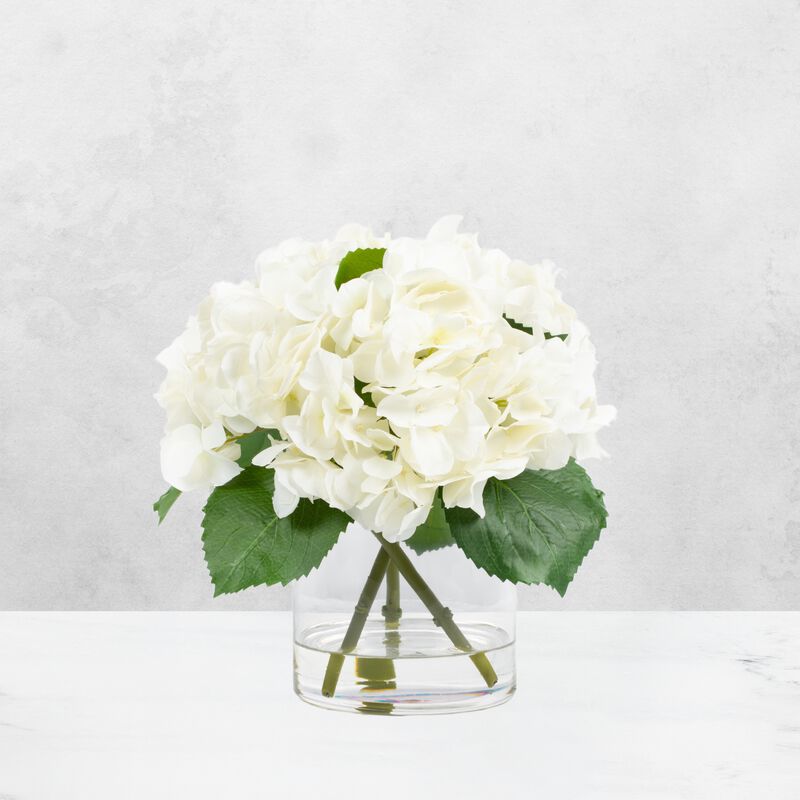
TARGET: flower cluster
(447,366)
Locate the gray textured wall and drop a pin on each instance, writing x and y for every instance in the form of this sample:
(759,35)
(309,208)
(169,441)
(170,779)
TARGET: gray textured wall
(649,148)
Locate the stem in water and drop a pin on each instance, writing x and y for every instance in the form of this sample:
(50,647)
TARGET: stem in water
(357,622)
(378,673)
(392,611)
(442,615)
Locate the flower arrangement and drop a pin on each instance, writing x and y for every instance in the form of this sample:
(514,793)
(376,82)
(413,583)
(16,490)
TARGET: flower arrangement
(431,390)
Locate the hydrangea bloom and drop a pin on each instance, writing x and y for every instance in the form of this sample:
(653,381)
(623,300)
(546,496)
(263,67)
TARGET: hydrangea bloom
(409,378)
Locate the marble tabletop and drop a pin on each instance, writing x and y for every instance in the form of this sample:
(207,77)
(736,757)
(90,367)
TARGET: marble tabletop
(199,705)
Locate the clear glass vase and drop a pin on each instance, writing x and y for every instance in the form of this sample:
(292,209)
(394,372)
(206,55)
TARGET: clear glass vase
(383,630)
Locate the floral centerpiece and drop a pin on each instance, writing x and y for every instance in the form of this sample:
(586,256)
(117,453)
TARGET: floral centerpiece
(436,393)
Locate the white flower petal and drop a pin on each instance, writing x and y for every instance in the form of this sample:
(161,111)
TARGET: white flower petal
(445,229)
(267,456)
(213,436)
(461,395)
(284,500)
(179,451)
(428,452)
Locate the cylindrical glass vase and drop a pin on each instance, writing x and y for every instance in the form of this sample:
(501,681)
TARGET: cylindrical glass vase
(384,630)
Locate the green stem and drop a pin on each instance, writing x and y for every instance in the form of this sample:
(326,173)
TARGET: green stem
(379,672)
(357,622)
(392,611)
(442,615)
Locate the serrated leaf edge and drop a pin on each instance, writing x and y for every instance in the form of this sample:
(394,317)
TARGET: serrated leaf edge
(603,524)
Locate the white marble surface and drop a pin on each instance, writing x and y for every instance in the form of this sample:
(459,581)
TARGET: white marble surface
(199,705)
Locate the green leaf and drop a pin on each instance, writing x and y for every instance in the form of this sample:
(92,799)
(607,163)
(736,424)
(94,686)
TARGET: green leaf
(538,526)
(434,533)
(164,503)
(246,544)
(251,444)
(525,329)
(518,326)
(365,396)
(357,262)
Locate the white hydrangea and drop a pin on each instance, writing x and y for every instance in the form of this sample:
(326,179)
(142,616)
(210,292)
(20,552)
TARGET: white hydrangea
(404,380)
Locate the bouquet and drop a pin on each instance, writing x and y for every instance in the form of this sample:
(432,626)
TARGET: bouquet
(433,391)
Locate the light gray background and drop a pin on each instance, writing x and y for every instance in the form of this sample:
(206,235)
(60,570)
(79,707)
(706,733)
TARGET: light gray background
(650,148)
